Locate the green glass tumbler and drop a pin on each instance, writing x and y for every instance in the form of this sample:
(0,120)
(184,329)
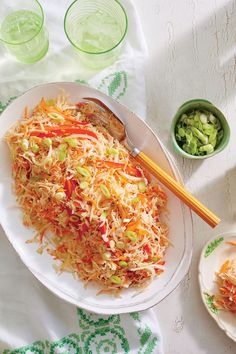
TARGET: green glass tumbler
(97,29)
(22,29)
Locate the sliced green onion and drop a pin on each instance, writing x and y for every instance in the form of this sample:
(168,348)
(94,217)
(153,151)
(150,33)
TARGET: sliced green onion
(213,142)
(71,142)
(212,118)
(104,214)
(183,117)
(181,132)
(203,118)
(62,147)
(111,151)
(188,135)
(112,244)
(47,142)
(202,137)
(212,136)
(142,187)
(48,161)
(120,245)
(57,117)
(106,255)
(131,235)
(25,144)
(60,195)
(84,185)
(213,139)
(155,259)
(105,191)
(193,146)
(186,148)
(62,155)
(135,200)
(123,264)
(115,279)
(83,171)
(190,122)
(206,148)
(178,137)
(35,148)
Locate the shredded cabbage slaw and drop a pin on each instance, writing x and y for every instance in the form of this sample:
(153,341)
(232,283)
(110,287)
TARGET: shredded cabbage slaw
(95,211)
(226,280)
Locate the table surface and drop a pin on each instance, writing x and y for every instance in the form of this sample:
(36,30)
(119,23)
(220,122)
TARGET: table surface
(192,55)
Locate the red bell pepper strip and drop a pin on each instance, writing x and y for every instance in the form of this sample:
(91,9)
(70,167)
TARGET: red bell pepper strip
(103,228)
(69,187)
(146,249)
(158,270)
(69,211)
(62,127)
(41,134)
(87,259)
(80,104)
(84,228)
(133,171)
(107,244)
(62,248)
(78,237)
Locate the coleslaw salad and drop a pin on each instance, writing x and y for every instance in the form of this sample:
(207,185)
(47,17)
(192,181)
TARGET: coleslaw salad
(226,280)
(95,211)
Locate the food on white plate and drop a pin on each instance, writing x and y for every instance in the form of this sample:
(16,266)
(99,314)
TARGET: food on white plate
(95,211)
(226,280)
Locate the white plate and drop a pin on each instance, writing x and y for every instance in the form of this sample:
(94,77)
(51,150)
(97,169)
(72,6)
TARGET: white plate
(180,222)
(213,255)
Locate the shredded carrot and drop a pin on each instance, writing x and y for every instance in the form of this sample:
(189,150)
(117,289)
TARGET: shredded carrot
(133,225)
(26,112)
(225,267)
(226,280)
(79,188)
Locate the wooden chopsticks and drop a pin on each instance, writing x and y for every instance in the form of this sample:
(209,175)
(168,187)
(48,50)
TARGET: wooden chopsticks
(187,198)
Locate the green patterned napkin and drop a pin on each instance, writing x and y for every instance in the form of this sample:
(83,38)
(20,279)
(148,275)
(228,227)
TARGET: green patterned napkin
(32,319)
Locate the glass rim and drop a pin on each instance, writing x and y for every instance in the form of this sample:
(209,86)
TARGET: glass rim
(105,51)
(28,40)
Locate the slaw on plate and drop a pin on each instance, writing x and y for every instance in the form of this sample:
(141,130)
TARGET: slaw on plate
(226,280)
(95,211)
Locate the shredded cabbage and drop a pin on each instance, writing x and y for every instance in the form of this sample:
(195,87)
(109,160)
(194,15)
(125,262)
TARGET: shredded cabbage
(226,280)
(94,210)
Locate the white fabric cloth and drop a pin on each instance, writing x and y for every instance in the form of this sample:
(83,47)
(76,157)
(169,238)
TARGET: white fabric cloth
(32,319)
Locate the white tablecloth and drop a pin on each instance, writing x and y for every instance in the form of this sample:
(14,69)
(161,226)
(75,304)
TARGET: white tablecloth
(33,320)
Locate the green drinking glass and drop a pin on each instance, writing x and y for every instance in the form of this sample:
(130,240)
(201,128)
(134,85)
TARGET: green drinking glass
(97,29)
(22,29)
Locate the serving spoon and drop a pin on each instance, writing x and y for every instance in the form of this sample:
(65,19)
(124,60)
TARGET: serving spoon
(116,127)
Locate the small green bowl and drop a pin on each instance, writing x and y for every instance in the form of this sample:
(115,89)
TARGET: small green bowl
(208,106)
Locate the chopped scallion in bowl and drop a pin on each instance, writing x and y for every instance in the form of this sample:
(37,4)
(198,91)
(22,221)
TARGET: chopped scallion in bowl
(199,130)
